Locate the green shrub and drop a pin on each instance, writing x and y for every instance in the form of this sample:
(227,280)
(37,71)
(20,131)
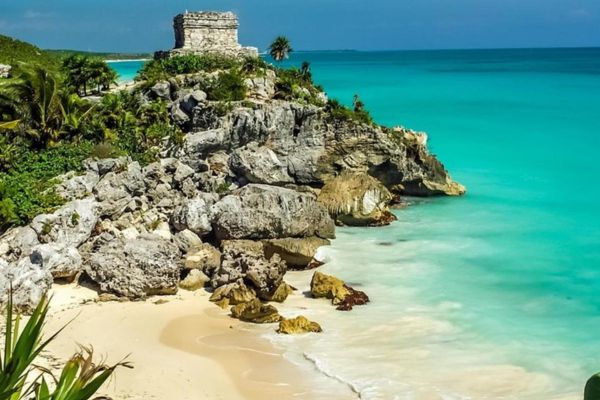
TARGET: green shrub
(26,190)
(157,70)
(337,111)
(228,86)
(105,150)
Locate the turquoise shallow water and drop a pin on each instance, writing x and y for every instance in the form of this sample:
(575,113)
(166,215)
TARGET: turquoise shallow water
(494,295)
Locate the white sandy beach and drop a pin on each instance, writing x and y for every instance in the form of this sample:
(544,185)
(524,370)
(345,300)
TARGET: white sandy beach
(184,348)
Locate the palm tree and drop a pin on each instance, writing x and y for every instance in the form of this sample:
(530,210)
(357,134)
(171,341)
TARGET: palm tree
(305,72)
(36,99)
(280,49)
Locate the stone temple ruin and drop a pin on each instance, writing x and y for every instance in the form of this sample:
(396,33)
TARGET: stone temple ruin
(208,32)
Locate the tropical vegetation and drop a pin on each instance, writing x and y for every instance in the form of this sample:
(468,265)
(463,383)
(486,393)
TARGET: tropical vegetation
(48,125)
(280,49)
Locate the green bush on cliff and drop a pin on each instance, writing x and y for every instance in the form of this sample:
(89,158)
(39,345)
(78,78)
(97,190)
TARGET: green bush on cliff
(161,69)
(228,86)
(337,111)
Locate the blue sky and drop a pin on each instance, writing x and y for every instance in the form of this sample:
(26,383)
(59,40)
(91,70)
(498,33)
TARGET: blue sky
(145,25)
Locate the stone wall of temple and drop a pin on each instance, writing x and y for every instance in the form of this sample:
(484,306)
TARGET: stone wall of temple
(208,32)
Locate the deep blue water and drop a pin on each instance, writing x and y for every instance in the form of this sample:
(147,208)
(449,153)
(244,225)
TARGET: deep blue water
(504,283)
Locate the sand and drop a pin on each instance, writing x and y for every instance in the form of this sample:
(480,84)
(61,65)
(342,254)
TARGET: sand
(184,348)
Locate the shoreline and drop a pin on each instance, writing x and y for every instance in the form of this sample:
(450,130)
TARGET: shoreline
(127,60)
(187,341)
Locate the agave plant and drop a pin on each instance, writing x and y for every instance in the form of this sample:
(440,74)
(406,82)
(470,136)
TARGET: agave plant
(80,378)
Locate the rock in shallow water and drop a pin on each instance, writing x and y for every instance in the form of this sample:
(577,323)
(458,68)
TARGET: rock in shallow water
(298,325)
(341,295)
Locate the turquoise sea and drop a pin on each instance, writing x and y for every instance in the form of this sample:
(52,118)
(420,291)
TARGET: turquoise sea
(495,295)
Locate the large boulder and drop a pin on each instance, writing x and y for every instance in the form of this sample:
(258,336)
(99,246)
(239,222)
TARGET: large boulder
(269,212)
(135,268)
(264,275)
(29,282)
(357,199)
(70,225)
(256,312)
(296,252)
(259,164)
(62,261)
(195,214)
(203,257)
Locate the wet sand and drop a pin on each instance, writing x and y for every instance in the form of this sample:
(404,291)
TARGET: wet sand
(186,348)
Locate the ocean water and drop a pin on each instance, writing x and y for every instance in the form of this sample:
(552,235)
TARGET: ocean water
(126,69)
(494,295)
(490,296)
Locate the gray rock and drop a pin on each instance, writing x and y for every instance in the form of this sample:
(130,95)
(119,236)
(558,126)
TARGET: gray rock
(182,172)
(116,189)
(77,186)
(186,240)
(70,225)
(259,165)
(62,261)
(263,275)
(162,90)
(17,243)
(200,144)
(29,283)
(134,268)
(179,116)
(191,100)
(195,214)
(106,165)
(204,257)
(269,212)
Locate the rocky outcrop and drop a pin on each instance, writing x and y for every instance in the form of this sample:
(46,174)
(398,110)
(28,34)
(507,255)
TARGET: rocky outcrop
(262,179)
(357,199)
(340,294)
(298,325)
(134,268)
(268,212)
(316,147)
